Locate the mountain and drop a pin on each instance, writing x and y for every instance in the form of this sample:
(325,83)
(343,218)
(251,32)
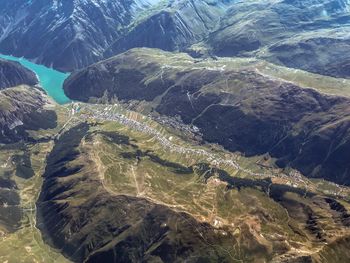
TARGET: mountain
(72,35)
(136,230)
(103,183)
(309,35)
(13,74)
(298,126)
(175,27)
(198,131)
(65,35)
(23,108)
(121,191)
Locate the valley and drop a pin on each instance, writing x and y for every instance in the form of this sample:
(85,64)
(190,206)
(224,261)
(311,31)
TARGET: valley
(311,36)
(293,120)
(21,167)
(142,177)
(126,155)
(175,131)
(105,156)
(224,159)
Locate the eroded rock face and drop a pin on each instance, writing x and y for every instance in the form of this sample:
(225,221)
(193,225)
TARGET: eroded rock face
(13,74)
(240,109)
(65,35)
(75,34)
(72,35)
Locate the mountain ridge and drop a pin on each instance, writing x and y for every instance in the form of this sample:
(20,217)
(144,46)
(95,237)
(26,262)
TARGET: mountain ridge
(13,74)
(283,32)
(219,102)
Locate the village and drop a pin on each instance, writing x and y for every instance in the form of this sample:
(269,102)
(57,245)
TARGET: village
(83,112)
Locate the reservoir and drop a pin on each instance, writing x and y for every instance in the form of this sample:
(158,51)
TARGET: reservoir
(49,79)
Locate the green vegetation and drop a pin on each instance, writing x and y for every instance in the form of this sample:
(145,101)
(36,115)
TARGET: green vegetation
(23,164)
(246,212)
(135,164)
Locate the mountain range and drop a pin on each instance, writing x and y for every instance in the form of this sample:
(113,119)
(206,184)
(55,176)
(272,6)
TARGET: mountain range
(301,127)
(197,131)
(309,35)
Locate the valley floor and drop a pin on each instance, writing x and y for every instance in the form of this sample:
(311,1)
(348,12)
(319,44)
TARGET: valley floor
(282,212)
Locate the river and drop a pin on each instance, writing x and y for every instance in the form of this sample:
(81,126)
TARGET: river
(49,79)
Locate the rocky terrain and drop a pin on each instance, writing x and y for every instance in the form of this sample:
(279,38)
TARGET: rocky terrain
(23,108)
(65,35)
(76,34)
(212,131)
(175,27)
(300,127)
(13,74)
(308,35)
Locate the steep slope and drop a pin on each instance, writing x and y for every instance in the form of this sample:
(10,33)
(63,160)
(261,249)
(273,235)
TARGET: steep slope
(79,216)
(119,187)
(24,113)
(29,122)
(65,35)
(72,35)
(300,127)
(175,27)
(309,35)
(13,74)
(23,108)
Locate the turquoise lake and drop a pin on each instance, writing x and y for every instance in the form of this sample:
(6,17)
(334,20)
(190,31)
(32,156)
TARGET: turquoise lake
(50,80)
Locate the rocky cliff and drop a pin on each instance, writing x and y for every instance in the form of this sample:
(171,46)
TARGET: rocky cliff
(174,27)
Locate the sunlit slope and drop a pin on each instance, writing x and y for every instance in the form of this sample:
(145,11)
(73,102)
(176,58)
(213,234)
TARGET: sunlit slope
(246,105)
(105,181)
(29,120)
(118,186)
